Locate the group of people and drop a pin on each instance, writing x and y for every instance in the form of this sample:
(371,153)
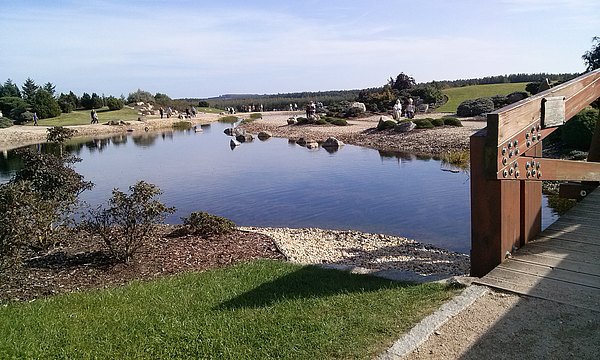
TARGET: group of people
(94,116)
(409,112)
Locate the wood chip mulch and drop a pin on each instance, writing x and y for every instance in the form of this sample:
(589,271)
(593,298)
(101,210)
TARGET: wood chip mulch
(84,265)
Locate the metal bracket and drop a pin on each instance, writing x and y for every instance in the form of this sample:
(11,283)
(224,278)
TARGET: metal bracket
(553,111)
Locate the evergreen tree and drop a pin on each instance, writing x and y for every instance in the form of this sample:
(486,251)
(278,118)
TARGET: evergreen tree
(50,88)
(44,104)
(29,88)
(86,101)
(9,89)
(97,102)
(592,57)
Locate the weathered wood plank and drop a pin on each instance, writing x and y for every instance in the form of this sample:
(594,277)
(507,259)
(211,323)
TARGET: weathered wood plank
(510,120)
(568,245)
(532,248)
(549,289)
(547,272)
(565,264)
(592,238)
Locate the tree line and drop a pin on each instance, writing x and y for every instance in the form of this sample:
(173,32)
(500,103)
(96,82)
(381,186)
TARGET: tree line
(20,104)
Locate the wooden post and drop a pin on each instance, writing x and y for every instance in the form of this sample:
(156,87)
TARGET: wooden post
(495,210)
(531,204)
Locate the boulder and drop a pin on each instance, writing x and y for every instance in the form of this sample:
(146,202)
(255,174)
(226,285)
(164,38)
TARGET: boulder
(264,135)
(244,138)
(423,107)
(359,105)
(332,142)
(405,127)
(291,121)
(301,141)
(312,145)
(228,131)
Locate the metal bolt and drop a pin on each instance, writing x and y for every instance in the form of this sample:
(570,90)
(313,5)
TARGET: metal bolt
(539,174)
(510,145)
(516,164)
(526,135)
(511,171)
(528,173)
(504,151)
(533,138)
(516,143)
(527,165)
(505,173)
(537,166)
(528,143)
(516,151)
(504,161)
(533,172)
(538,127)
(511,153)
(517,173)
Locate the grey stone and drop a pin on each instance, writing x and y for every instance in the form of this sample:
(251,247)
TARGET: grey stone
(405,127)
(244,138)
(332,142)
(264,135)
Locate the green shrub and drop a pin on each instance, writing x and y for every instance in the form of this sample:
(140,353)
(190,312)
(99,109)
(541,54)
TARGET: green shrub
(256,116)
(475,107)
(59,134)
(113,103)
(138,96)
(423,123)
(207,225)
(386,124)
(452,121)
(339,122)
(5,122)
(436,122)
(12,106)
(182,125)
(301,121)
(230,119)
(44,104)
(130,221)
(203,103)
(577,132)
(321,122)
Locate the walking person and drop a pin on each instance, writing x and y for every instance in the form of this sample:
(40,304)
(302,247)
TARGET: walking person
(35,119)
(94,116)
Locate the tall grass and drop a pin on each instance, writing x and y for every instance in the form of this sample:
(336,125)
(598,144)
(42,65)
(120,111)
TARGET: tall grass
(259,310)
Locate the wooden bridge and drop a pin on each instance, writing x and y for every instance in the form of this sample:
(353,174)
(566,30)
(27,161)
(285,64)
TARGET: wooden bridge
(507,170)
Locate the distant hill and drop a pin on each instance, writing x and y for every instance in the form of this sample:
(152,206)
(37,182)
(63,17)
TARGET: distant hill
(457,95)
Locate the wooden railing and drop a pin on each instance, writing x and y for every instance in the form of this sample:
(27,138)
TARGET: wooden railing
(507,168)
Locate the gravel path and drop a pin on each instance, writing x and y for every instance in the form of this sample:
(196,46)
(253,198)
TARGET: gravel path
(370,251)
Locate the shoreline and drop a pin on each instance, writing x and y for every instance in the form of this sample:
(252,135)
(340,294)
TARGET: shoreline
(359,132)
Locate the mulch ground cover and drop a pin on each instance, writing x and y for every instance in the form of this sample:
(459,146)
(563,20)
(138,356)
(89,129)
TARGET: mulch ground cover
(83,264)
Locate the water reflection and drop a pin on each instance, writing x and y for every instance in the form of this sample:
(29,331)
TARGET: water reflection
(271,184)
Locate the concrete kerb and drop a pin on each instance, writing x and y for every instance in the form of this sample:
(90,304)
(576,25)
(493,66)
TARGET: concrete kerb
(421,332)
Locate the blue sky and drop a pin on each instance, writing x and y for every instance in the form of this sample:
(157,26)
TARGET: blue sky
(208,48)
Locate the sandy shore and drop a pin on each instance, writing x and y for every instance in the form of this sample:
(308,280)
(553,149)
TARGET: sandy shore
(22,135)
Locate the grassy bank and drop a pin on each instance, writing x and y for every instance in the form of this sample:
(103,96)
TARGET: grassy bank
(459,94)
(263,309)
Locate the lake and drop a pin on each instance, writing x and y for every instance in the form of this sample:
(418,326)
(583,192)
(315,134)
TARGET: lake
(280,184)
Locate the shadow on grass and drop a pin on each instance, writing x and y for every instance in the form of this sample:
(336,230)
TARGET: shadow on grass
(306,283)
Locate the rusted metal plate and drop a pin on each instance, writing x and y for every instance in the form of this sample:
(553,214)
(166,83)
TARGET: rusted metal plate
(553,111)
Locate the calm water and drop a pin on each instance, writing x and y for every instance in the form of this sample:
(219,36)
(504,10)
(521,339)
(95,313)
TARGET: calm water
(277,183)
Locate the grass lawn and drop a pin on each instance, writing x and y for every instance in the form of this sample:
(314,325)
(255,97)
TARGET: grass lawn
(459,94)
(209,110)
(82,117)
(259,310)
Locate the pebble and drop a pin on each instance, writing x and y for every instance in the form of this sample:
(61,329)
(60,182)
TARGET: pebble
(366,250)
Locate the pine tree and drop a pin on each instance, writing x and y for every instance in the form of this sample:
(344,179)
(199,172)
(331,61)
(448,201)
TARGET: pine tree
(50,88)
(29,88)
(9,89)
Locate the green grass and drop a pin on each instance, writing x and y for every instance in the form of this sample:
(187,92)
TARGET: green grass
(259,310)
(459,94)
(82,117)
